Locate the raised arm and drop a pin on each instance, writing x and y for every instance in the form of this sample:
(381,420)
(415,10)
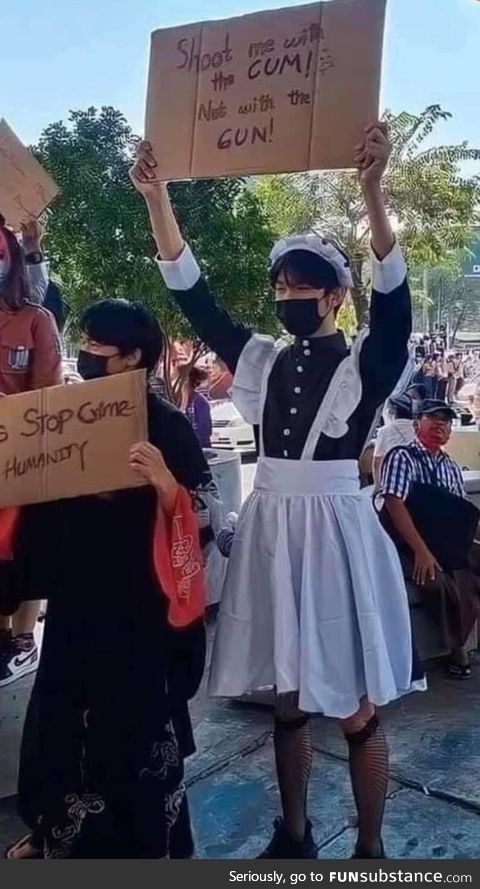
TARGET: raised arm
(385,352)
(32,237)
(165,228)
(181,272)
(372,158)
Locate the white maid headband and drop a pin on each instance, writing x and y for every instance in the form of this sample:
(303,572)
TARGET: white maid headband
(314,242)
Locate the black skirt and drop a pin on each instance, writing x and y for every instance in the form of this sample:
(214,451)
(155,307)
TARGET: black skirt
(108,726)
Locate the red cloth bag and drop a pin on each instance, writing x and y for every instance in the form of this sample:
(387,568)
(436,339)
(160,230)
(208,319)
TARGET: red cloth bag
(9,517)
(179,562)
(9,594)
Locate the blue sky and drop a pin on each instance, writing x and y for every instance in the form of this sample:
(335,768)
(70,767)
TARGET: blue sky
(56,57)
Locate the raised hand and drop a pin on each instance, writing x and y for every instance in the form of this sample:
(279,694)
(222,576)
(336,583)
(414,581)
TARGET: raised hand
(32,235)
(143,173)
(155,193)
(371,156)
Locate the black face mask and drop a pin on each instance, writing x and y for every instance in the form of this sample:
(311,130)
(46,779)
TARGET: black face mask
(299,316)
(90,366)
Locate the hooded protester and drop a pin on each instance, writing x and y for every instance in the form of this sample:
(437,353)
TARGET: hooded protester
(301,611)
(108,727)
(30,358)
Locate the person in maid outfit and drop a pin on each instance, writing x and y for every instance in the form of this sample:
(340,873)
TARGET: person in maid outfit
(314,602)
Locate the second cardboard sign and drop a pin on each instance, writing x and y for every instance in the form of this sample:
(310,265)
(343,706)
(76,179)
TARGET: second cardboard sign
(69,441)
(26,189)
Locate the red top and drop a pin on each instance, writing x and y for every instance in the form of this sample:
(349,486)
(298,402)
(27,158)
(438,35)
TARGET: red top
(30,352)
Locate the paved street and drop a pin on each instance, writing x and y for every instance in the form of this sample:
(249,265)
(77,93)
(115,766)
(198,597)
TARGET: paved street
(433,808)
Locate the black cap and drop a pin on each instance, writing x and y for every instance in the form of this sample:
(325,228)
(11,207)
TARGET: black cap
(433,406)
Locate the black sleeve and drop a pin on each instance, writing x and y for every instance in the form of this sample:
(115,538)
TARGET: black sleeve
(385,351)
(212,324)
(172,433)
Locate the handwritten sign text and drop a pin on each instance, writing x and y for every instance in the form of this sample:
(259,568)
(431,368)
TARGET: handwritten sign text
(70,440)
(275,91)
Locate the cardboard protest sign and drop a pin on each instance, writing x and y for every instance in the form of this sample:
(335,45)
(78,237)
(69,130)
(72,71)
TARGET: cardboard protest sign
(26,189)
(277,91)
(71,440)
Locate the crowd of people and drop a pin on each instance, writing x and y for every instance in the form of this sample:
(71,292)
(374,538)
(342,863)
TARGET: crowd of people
(315,602)
(443,373)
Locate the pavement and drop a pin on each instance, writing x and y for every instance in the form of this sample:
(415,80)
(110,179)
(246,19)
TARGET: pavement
(433,806)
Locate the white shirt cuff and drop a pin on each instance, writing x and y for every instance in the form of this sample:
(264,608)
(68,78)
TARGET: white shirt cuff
(182,273)
(388,273)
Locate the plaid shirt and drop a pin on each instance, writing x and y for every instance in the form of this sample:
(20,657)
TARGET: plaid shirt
(414,463)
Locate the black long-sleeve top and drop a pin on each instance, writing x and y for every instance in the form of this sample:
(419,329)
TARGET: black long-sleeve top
(302,372)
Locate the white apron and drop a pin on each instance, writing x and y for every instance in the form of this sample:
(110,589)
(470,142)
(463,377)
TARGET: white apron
(314,599)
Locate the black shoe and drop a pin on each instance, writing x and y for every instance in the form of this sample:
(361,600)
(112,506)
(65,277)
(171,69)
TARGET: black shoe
(360,853)
(282,846)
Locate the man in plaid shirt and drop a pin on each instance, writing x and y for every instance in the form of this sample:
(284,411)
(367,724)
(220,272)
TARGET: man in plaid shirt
(424,458)
(424,461)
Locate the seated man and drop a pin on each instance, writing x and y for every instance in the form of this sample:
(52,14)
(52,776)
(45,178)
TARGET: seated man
(423,466)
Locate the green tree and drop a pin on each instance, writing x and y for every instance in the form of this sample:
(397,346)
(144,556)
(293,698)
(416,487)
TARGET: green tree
(453,299)
(99,240)
(432,204)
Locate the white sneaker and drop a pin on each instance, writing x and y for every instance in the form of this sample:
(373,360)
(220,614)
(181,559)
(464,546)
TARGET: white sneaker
(15,663)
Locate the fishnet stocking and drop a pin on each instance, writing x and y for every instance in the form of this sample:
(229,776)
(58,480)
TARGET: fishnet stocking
(369,773)
(293,756)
